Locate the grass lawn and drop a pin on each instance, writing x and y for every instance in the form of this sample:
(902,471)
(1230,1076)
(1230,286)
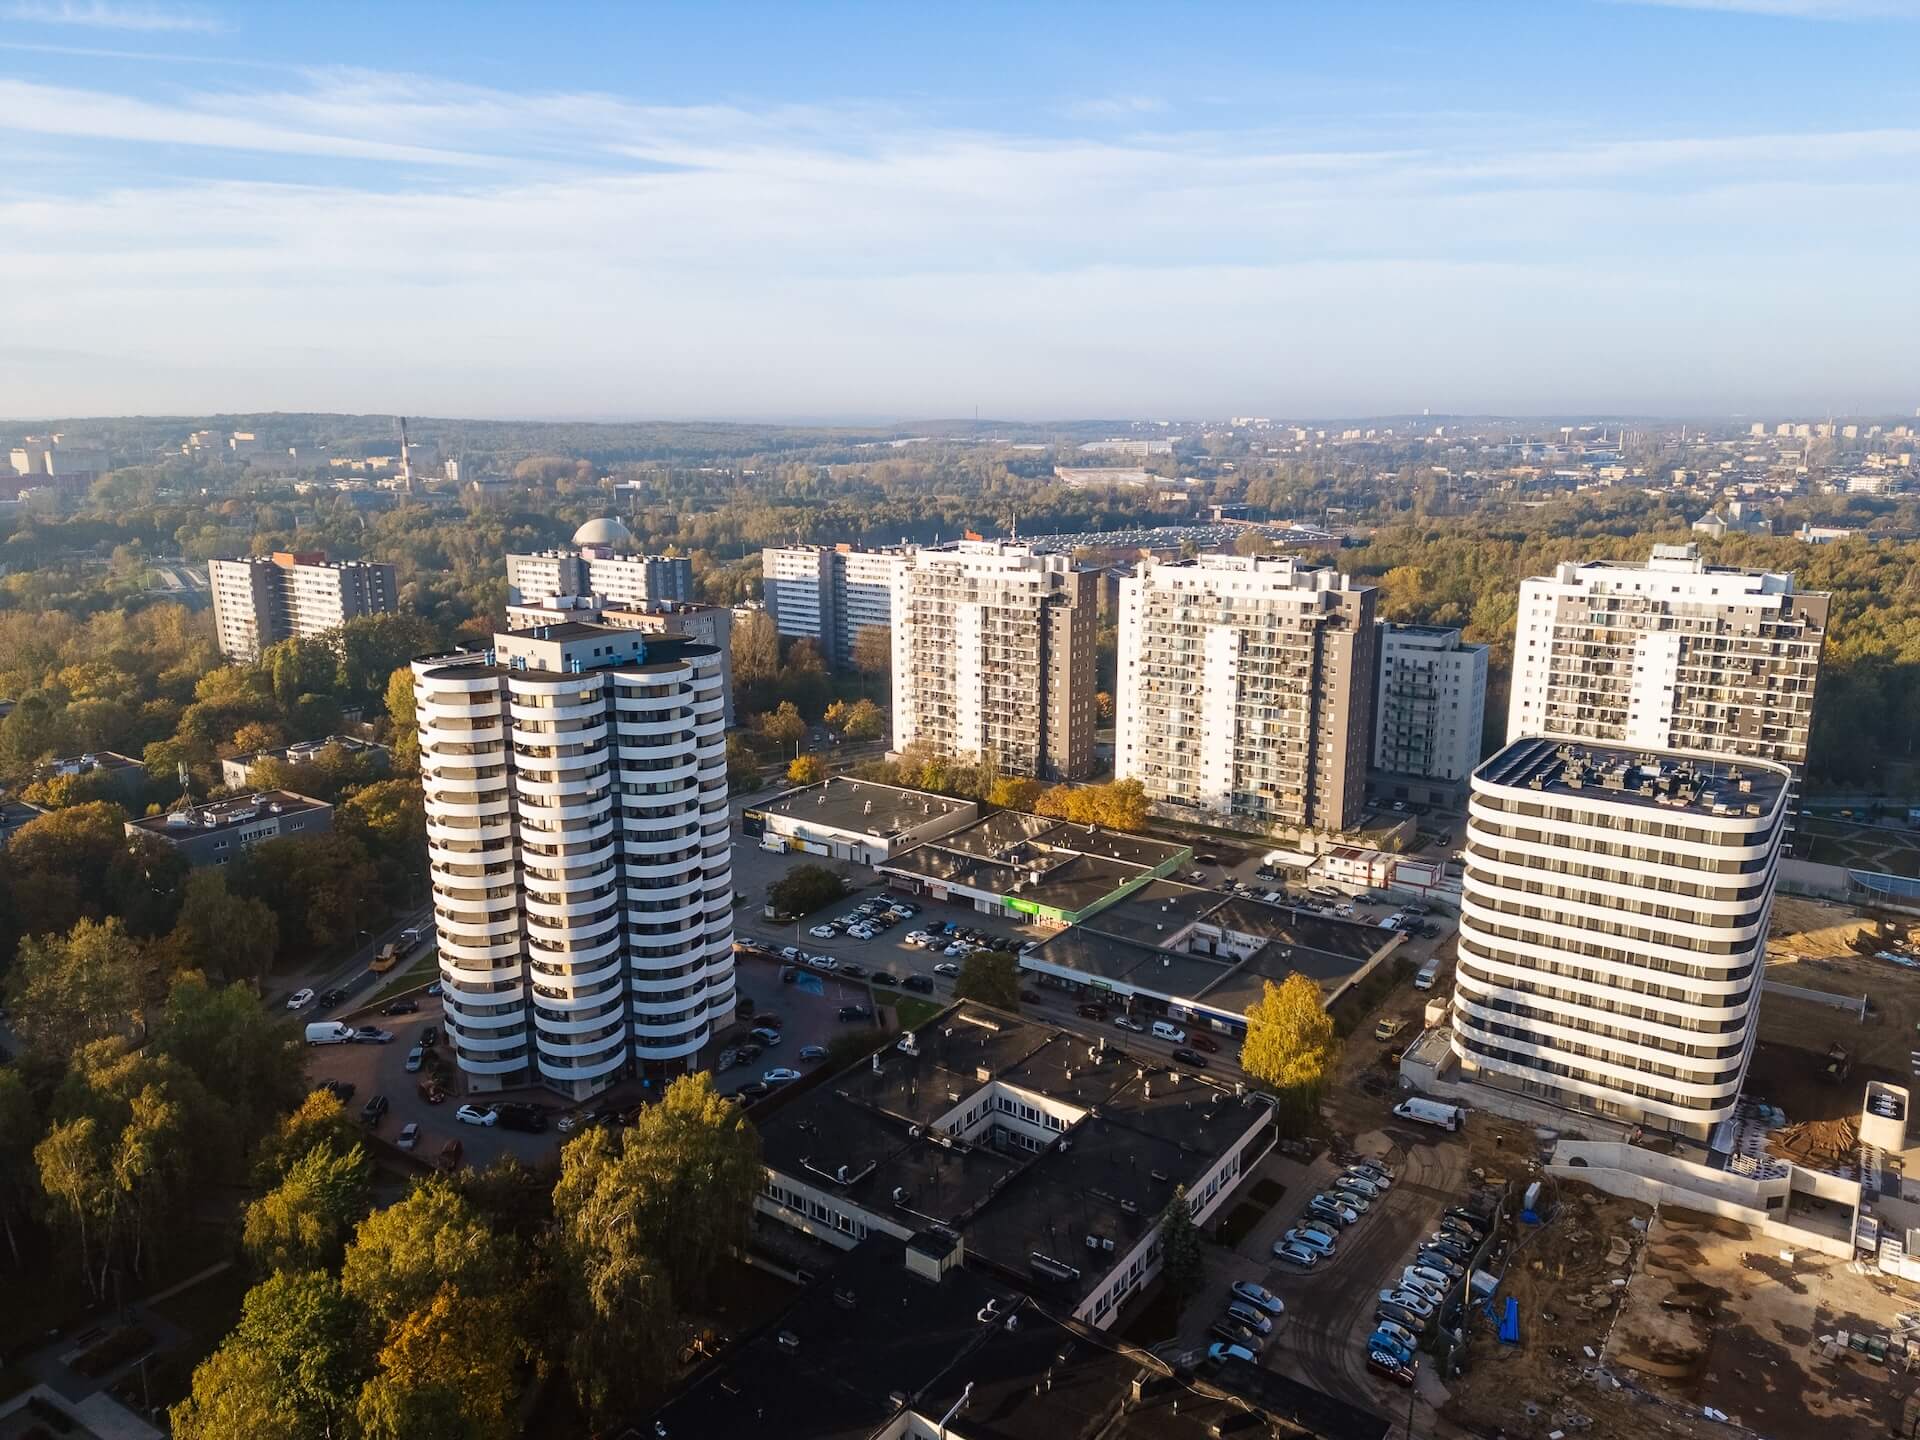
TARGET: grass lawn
(909,1010)
(423,969)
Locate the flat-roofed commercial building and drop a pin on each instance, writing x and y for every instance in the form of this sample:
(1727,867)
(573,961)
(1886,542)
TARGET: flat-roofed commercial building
(1613,927)
(855,820)
(217,832)
(830,593)
(993,658)
(1674,654)
(261,600)
(1245,695)
(580,853)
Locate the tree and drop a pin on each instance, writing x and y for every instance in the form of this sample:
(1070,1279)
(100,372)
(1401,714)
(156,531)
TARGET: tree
(257,735)
(784,726)
(401,1255)
(302,1223)
(991,977)
(65,990)
(317,886)
(19,1130)
(1103,707)
(454,1358)
(292,1367)
(1290,1046)
(228,936)
(1182,1264)
(390,818)
(756,649)
(743,767)
(1118,805)
(76,1174)
(403,722)
(80,862)
(320,1122)
(1012,793)
(873,650)
(692,1165)
(806,770)
(863,721)
(1252,542)
(804,889)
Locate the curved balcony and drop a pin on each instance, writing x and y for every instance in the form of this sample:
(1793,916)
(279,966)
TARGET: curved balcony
(566,1075)
(513,1033)
(513,1065)
(592,708)
(586,976)
(454,982)
(1467,1001)
(668,1048)
(591,737)
(1599,1079)
(469,1022)
(1498,959)
(545,905)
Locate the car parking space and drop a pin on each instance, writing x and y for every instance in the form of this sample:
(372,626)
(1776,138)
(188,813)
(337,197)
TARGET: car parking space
(802,1018)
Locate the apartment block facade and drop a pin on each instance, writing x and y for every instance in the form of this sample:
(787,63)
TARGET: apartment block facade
(1246,691)
(1613,928)
(993,657)
(263,599)
(1430,707)
(830,593)
(579,851)
(1674,654)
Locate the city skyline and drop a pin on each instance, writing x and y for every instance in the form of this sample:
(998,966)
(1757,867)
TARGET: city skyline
(1615,207)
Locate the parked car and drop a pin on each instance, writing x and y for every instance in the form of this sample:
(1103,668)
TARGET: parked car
(780,1075)
(1401,1316)
(512,1115)
(400,1007)
(914,939)
(1312,1239)
(300,999)
(330,998)
(1032,997)
(789,952)
(430,1036)
(450,1154)
(370,1035)
(1411,1281)
(1360,1185)
(946,967)
(1091,1012)
(1258,1295)
(432,1091)
(766,1035)
(920,984)
(1433,1276)
(416,1057)
(754,1089)
(812,1054)
(1352,1199)
(1372,1169)
(856,1012)
(746,1054)
(374,1109)
(474,1115)
(862,932)
(409,1135)
(1127,1022)
(1409,1300)
(341,1090)
(853,971)
(1193,1059)
(1382,1362)
(1251,1316)
(1447,1265)
(1325,1228)
(885,977)
(1479,1224)
(1388,1028)
(1204,1042)
(824,932)
(1295,1253)
(1234,1333)
(1328,1208)
(1220,1352)
(1391,1343)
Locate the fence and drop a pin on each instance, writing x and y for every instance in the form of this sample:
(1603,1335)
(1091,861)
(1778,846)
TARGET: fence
(1858,1006)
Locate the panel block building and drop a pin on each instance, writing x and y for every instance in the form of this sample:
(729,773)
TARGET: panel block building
(261,600)
(1430,706)
(830,593)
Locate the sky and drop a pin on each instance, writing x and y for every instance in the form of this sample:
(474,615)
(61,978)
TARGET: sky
(837,211)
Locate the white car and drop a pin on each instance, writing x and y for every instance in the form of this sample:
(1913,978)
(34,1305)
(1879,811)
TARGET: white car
(957,949)
(823,932)
(946,967)
(1360,1185)
(474,1115)
(1412,1279)
(1295,1254)
(780,1075)
(914,939)
(1312,1239)
(1436,1280)
(862,932)
(823,962)
(409,1135)
(1418,1303)
(300,999)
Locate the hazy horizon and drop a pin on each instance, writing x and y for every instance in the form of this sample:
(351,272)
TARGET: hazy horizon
(1690,208)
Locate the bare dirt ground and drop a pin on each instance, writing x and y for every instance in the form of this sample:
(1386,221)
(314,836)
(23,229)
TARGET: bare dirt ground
(1717,1317)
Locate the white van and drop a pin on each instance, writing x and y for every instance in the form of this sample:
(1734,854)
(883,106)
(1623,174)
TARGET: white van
(1429,973)
(1430,1112)
(1163,1031)
(328,1032)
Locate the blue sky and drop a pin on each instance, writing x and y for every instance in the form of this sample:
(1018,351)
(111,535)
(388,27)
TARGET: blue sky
(886,210)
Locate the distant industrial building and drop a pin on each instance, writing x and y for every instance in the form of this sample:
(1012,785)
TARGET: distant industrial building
(261,600)
(830,593)
(1245,694)
(1429,708)
(855,820)
(603,561)
(218,831)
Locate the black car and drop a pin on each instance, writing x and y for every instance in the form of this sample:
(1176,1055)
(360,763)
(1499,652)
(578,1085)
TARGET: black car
(1031,997)
(400,1007)
(856,1012)
(1091,1012)
(1383,1363)
(530,1118)
(921,984)
(341,1090)
(329,998)
(754,1089)
(744,1053)
(856,972)
(1479,1224)
(371,1112)
(884,977)
(1192,1058)
(1400,1316)
(430,1036)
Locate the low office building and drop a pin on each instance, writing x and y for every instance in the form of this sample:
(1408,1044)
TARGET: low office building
(1613,928)
(1033,868)
(235,769)
(1200,958)
(120,777)
(13,815)
(1045,1154)
(216,832)
(855,820)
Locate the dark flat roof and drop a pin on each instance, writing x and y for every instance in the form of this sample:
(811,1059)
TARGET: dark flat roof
(1673,781)
(841,804)
(213,816)
(1064,867)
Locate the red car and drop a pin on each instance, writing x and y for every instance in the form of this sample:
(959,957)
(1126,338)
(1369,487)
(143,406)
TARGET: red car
(1381,1363)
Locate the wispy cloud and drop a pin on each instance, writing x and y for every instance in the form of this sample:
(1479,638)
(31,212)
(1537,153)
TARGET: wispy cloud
(1797,9)
(103,15)
(1115,107)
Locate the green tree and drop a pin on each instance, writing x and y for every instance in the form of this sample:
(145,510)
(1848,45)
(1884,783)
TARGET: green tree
(65,990)
(1290,1046)
(19,1132)
(401,1255)
(743,766)
(317,886)
(991,977)
(1182,1264)
(76,1175)
(756,649)
(302,1223)
(873,650)
(403,722)
(1011,793)
(453,1360)
(80,863)
(784,726)
(804,889)
(319,1122)
(235,1397)
(228,936)
(863,721)
(300,1347)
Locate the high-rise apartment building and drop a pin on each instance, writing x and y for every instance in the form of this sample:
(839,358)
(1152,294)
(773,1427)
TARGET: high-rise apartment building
(263,599)
(1246,690)
(1429,708)
(579,850)
(830,593)
(602,561)
(1675,654)
(707,624)
(1613,929)
(993,658)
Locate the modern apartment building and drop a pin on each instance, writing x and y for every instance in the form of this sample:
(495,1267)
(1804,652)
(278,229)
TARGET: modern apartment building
(1675,654)
(993,657)
(602,561)
(1429,708)
(1614,927)
(707,624)
(579,851)
(1246,690)
(830,593)
(263,599)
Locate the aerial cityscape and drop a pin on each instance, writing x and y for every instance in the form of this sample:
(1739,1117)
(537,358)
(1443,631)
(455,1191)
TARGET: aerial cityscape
(856,725)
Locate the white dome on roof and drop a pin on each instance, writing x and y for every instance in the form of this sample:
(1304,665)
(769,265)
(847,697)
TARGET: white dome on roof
(607,531)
